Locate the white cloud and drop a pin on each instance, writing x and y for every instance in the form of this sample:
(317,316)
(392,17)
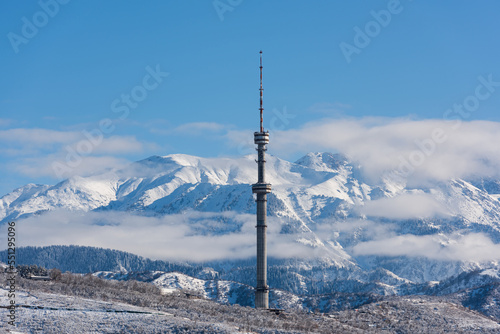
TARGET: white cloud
(56,166)
(38,137)
(405,206)
(205,236)
(22,139)
(183,237)
(365,228)
(424,150)
(122,145)
(36,152)
(469,247)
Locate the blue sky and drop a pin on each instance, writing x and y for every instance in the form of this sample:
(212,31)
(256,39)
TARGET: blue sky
(69,73)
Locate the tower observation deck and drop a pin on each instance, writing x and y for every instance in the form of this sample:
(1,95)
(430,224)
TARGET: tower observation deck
(261,189)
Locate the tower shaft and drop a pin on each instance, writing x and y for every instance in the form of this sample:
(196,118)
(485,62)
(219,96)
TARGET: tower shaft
(261,189)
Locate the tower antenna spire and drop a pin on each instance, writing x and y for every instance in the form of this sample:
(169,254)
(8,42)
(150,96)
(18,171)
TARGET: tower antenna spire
(261,97)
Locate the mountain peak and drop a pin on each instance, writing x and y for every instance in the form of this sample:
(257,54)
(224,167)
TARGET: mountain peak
(323,161)
(180,160)
(159,164)
(183,159)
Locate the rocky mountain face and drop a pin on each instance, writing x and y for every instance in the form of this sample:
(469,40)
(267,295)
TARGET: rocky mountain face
(360,235)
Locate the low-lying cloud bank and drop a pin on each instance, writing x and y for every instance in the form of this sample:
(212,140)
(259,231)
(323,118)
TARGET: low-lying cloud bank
(365,237)
(205,236)
(192,236)
(405,206)
(470,247)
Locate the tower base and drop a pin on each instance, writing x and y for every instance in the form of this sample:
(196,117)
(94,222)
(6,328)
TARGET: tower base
(262,298)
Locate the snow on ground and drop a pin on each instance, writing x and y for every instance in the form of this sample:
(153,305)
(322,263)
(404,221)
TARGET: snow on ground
(40,312)
(54,313)
(171,282)
(491,272)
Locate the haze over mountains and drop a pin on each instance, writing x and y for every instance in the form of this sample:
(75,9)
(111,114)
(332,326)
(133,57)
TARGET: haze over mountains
(327,222)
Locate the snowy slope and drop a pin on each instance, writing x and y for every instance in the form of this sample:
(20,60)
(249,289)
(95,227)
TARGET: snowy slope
(173,183)
(95,306)
(57,313)
(224,292)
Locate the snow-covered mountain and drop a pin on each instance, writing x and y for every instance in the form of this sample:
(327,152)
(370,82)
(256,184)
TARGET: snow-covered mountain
(368,234)
(317,185)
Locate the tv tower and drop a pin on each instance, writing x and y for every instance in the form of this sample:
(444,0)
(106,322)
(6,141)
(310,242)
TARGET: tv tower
(261,188)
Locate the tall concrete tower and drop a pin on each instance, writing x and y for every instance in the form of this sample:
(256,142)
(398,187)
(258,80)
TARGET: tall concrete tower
(261,188)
